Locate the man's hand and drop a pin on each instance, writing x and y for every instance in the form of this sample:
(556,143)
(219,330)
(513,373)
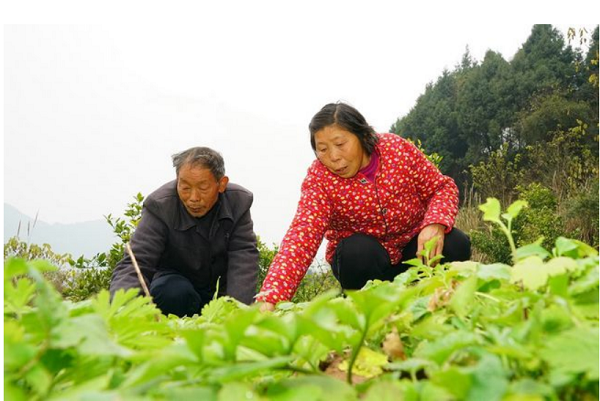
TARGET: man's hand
(267,307)
(427,233)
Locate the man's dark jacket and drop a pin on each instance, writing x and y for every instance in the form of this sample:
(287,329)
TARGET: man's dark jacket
(167,239)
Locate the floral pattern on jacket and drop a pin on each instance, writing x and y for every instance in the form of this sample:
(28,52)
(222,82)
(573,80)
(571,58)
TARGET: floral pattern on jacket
(408,194)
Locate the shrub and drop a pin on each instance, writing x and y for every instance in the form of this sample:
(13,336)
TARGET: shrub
(541,218)
(539,221)
(582,213)
(90,276)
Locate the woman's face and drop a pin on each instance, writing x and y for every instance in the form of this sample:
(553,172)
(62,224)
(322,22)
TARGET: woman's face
(340,151)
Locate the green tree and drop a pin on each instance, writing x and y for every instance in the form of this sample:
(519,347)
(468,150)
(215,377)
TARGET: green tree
(542,64)
(486,107)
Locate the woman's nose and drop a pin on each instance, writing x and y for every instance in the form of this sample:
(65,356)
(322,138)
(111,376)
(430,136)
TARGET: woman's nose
(334,156)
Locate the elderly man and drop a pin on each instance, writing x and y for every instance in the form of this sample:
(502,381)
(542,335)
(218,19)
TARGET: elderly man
(195,238)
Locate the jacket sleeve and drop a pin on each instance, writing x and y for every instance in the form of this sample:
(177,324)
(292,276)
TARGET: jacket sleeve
(242,270)
(148,244)
(437,191)
(300,244)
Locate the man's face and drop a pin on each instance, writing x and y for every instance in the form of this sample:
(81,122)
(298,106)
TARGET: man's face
(198,189)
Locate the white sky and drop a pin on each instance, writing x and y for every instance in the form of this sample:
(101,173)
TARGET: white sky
(93,111)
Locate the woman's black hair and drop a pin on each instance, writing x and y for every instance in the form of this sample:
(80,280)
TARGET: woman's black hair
(348,118)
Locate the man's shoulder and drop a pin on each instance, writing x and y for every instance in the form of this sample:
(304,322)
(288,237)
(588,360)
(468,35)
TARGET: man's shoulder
(163,196)
(238,196)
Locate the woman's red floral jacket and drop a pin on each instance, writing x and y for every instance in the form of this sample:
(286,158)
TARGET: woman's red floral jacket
(408,194)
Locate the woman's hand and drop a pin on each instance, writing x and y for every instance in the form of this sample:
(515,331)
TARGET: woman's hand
(427,233)
(267,307)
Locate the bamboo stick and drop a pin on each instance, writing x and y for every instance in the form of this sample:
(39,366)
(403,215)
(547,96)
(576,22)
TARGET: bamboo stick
(138,271)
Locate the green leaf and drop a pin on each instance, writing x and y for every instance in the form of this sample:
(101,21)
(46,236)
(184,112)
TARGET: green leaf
(468,266)
(161,363)
(560,265)
(39,379)
(489,380)
(428,246)
(453,379)
(496,271)
(195,340)
(217,310)
(189,393)
(573,248)
(530,390)
(235,326)
(17,297)
(531,250)
(555,319)
(564,245)
(432,392)
(462,299)
(531,272)
(411,365)
(237,392)
(42,265)
(384,391)
(346,312)
(442,348)
(515,208)
(368,363)
(241,371)
(285,326)
(574,351)
(89,334)
(586,283)
(17,352)
(534,273)
(559,285)
(14,393)
(491,210)
(330,389)
(14,267)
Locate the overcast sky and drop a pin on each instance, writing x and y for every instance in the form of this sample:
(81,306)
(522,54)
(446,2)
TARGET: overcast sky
(93,112)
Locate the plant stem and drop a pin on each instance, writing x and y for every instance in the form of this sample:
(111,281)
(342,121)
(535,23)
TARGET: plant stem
(355,354)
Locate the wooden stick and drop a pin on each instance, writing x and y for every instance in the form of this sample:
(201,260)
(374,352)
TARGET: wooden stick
(138,271)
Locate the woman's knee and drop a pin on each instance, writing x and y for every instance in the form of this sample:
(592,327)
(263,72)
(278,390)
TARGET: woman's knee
(358,259)
(457,246)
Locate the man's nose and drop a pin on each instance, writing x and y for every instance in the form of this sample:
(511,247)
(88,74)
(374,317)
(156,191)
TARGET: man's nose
(194,195)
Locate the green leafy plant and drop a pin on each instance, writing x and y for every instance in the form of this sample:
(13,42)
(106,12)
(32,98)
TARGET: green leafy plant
(461,330)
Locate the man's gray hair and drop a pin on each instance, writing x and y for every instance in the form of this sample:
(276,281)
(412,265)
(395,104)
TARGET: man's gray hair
(201,156)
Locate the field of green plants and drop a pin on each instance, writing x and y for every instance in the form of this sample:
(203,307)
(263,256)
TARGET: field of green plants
(517,323)
(456,331)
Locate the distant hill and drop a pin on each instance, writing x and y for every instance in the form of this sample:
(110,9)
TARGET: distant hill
(87,238)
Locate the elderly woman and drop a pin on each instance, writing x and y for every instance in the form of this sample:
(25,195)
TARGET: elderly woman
(375,197)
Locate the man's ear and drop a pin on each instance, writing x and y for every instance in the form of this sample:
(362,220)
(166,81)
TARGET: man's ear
(223,183)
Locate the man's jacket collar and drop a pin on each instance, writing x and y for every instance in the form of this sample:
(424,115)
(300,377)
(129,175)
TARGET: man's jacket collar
(185,221)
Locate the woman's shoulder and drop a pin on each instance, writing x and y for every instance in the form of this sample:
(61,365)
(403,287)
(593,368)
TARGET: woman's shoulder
(319,176)
(317,169)
(389,141)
